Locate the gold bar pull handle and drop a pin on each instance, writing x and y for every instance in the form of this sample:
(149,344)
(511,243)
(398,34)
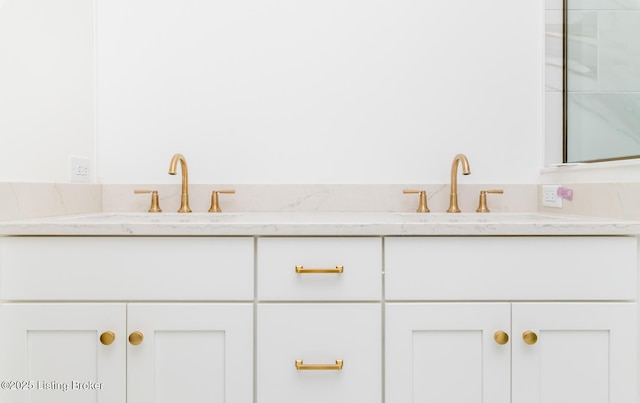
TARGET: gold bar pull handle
(302,270)
(301,366)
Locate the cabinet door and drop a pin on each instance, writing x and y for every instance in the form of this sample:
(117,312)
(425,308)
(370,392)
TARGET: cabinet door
(319,334)
(55,350)
(581,353)
(190,353)
(446,353)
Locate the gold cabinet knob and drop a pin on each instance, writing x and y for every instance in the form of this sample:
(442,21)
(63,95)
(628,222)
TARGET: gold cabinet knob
(501,337)
(530,337)
(136,338)
(107,338)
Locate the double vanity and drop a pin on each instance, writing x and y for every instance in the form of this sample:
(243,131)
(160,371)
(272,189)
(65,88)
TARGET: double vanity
(319,306)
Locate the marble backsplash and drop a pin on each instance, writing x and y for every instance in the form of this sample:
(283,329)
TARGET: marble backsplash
(120,198)
(35,200)
(614,200)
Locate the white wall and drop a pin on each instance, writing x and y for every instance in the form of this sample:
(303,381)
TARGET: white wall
(173,78)
(46,88)
(46,99)
(294,91)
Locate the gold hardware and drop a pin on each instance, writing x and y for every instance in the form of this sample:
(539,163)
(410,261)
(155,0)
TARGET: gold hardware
(136,338)
(107,338)
(453,198)
(482,205)
(302,270)
(215,207)
(184,197)
(422,206)
(155,204)
(530,337)
(300,366)
(501,337)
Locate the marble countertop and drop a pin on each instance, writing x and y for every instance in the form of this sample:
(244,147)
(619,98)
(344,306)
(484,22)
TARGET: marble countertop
(319,224)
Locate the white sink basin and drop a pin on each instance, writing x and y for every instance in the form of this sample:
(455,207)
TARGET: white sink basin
(473,218)
(154,218)
(313,218)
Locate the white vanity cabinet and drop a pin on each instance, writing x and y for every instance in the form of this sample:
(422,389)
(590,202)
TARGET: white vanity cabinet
(319,320)
(264,319)
(136,317)
(521,348)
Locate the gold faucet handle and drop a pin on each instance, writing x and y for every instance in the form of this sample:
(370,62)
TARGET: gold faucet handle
(215,205)
(482,203)
(155,203)
(422,206)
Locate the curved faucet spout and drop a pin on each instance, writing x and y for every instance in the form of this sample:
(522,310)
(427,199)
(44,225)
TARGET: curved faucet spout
(453,197)
(184,197)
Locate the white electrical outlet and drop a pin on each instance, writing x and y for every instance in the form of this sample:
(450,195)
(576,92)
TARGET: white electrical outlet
(79,170)
(550,196)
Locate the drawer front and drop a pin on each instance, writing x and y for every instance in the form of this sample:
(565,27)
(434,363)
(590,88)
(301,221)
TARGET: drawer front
(126,268)
(360,259)
(319,334)
(511,268)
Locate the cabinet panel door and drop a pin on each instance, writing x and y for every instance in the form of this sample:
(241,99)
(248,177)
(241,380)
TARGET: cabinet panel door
(57,349)
(507,268)
(190,353)
(319,334)
(584,353)
(126,268)
(446,353)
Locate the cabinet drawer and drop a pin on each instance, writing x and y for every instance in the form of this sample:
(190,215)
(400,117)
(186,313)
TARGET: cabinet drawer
(511,268)
(319,334)
(360,259)
(126,268)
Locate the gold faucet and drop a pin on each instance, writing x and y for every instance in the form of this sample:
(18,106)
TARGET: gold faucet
(155,203)
(422,205)
(184,198)
(482,201)
(453,199)
(215,205)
